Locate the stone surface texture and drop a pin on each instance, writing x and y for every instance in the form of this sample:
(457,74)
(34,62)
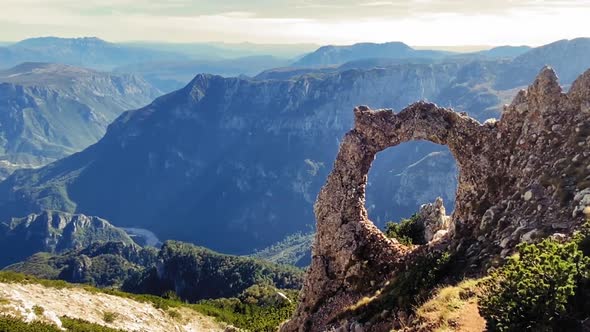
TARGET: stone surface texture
(435,220)
(521,178)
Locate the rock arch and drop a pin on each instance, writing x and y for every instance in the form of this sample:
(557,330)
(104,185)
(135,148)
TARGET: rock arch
(501,196)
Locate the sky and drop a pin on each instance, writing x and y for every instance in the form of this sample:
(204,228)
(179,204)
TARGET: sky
(416,22)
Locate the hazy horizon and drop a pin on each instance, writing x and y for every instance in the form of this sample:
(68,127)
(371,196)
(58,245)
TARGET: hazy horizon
(450,48)
(415,22)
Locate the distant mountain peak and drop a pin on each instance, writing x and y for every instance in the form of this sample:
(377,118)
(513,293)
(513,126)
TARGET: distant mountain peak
(334,55)
(50,39)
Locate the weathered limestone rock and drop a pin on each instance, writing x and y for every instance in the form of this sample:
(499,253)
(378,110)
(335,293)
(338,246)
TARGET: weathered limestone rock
(435,220)
(516,175)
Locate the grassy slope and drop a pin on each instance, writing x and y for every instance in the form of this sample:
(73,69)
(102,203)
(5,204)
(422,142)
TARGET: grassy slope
(248,314)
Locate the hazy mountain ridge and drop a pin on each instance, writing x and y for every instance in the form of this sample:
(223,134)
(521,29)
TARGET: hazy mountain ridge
(568,57)
(337,55)
(173,75)
(49,111)
(86,52)
(166,66)
(499,52)
(519,63)
(220,50)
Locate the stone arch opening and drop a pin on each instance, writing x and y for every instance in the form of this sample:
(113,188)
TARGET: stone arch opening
(498,201)
(404,177)
(350,252)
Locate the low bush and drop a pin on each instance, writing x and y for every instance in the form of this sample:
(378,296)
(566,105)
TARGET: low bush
(38,310)
(78,325)
(545,287)
(109,317)
(11,324)
(407,231)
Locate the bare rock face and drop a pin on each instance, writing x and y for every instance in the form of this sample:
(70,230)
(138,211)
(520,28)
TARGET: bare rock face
(435,220)
(521,178)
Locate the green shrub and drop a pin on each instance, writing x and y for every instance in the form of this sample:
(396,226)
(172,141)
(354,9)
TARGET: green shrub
(11,324)
(19,278)
(78,325)
(109,317)
(534,290)
(38,310)
(259,308)
(174,314)
(171,295)
(407,231)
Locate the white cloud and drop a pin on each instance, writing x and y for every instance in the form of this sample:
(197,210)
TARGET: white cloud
(417,22)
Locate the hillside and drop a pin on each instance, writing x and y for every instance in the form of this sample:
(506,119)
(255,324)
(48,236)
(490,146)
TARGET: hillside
(102,264)
(89,52)
(294,250)
(566,56)
(49,111)
(185,280)
(191,273)
(53,232)
(59,306)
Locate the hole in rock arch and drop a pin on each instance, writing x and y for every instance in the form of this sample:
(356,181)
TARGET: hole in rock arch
(406,176)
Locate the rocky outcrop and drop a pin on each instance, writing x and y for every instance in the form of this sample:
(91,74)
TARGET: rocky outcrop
(52,231)
(520,178)
(434,218)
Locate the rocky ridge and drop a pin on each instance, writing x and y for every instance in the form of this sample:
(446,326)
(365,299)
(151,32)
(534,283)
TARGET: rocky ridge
(434,219)
(521,178)
(52,231)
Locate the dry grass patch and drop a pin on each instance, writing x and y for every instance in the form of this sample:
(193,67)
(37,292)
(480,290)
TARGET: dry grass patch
(447,309)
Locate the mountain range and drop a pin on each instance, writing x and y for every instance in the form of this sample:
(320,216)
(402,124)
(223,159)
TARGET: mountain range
(89,52)
(173,75)
(338,55)
(226,158)
(49,111)
(94,161)
(167,66)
